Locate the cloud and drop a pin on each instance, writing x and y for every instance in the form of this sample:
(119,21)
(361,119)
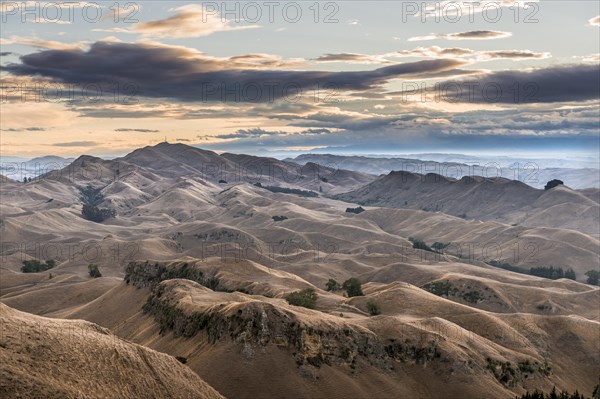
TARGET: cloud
(563,83)
(353,58)
(45,44)
(458,52)
(189,21)
(76,144)
(186,75)
(25,129)
(432,52)
(137,130)
(471,35)
(594,21)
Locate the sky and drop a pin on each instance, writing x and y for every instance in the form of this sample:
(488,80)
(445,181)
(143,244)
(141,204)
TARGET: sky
(354,77)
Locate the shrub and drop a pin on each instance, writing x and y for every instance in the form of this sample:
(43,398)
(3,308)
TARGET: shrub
(593,277)
(279,218)
(358,210)
(332,285)
(439,245)
(353,287)
(94,271)
(553,183)
(374,308)
(306,298)
(35,266)
(420,244)
(285,190)
(222,181)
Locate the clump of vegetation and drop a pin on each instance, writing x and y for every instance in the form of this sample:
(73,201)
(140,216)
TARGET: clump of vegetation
(35,266)
(92,198)
(279,218)
(285,190)
(593,277)
(420,244)
(552,272)
(332,285)
(353,287)
(145,274)
(440,246)
(358,210)
(306,298)
(472,296)
(222,181)
(93,271)
(552,395)
(374,308)
(440,288)
(553,183)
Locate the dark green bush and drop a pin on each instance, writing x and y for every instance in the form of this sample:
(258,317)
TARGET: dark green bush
(94,271)
(593,277)
(306,298)
(553,183)
(353,287)
(358,210)
(374,308)
(332,285)
(35,266)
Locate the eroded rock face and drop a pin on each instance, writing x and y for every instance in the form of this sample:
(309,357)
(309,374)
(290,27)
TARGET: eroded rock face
(251,322)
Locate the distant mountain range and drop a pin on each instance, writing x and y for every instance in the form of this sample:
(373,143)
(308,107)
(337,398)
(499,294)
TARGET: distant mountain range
(532,172)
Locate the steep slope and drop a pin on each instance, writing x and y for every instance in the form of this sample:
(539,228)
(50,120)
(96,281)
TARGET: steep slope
(52,358)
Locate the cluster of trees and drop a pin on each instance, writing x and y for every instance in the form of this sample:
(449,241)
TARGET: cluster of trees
(306,298)
(593,277)
(27,180)
(35,266)
(358,210)
(556,395)
(285,190)
(94,271)
(552,273)
(352,286)
(420,244)
(92,198)
(553,183)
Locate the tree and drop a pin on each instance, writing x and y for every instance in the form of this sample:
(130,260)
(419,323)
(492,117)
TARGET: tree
(306,298)
(332,285)
(553,183)
(593,277)
(353,287)
(94,271)
(92,198)
(35,266)
(419,244)
(374,308)
(570,274)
